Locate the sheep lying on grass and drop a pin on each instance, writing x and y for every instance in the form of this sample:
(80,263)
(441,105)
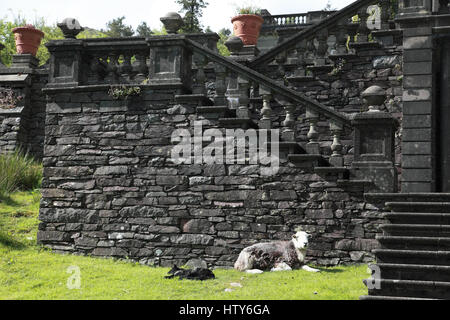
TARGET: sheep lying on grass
(275,256)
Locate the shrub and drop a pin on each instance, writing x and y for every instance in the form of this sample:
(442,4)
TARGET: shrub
(19,171)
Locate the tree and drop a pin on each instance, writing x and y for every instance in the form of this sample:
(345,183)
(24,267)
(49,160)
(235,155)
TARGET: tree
(117,29)
(224,34)
(328,7)
(193,11)
(51,32)
(143,30)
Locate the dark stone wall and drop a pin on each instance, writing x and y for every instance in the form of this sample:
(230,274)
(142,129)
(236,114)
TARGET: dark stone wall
(340,87)
(110,189)
(24,127)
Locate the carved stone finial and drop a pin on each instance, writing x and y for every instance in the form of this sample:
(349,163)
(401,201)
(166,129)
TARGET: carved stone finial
(234,45)
(70,28)
(374,98)
(172,21)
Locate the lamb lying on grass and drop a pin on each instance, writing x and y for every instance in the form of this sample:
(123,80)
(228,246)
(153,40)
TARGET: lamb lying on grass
(190,274)
(275,256)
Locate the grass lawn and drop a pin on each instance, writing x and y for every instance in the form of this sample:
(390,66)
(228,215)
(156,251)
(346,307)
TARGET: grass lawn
(28,271)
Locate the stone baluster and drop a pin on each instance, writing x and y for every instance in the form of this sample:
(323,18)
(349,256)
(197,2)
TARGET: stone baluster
(112,67)
(336,159)
(97,69)
(385,14)
(281,60)
(322,47)
(352,31)
(199,86)
(301,63)
(142,68)
(125,68)
(219,97)
(244,87)
(232,92)
(312,117)
(341,39)
(288,132)
(310,49)
(363,32)
(266,111)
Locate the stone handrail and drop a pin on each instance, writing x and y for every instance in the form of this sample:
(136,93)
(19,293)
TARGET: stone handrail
(270,84)
(342,16)
(285,20)
(292,20)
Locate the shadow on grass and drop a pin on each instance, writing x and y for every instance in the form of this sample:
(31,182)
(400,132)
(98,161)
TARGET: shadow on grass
(325,270)
(8,241)
(8,201)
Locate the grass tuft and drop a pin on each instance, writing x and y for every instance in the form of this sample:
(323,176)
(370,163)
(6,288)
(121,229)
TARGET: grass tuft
(18,171)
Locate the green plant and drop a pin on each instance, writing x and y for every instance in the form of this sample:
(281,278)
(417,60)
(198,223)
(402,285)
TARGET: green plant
(9,98)
(19,171)
(249,10)
(123,92)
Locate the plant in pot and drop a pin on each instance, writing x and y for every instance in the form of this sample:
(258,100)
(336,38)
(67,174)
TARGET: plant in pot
(28,39)
(247,24)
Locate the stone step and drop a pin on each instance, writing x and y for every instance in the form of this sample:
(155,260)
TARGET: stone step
(357,183)
(287,146)
(216,112)
(416,230)
(417,218)
(310,160)
(414,243)
(198,99)
(419,206)
(238,123)
(414,272)
(411,288)
(408,197)
(426,257)
(392,298)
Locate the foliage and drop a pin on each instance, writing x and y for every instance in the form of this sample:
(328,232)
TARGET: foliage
(193,11)
(117,29)
(328,7)
(248,10)
(18,171)
(143,30)
(52,32)
(9,98)
(123,92)
(224,34)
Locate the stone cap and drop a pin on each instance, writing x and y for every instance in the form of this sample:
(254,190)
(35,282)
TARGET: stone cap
(70,28)
(172,21)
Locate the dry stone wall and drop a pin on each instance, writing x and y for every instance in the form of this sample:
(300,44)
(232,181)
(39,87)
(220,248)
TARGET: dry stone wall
(110,189)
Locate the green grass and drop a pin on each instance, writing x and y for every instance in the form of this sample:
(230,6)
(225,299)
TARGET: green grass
(18,171)
(30,272)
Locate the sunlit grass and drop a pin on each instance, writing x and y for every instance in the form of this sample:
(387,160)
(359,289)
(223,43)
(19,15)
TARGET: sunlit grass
(30,272)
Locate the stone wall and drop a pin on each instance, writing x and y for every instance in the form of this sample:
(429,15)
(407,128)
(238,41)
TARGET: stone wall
(23,126)
(340,87)
(110,189)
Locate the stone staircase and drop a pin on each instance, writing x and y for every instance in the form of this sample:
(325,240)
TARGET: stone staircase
(414,258)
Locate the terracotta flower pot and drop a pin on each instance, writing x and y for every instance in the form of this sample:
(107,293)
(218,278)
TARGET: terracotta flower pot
(28,39)
(247,27)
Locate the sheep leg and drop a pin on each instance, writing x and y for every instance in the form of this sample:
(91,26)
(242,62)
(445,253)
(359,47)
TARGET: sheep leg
(309,269)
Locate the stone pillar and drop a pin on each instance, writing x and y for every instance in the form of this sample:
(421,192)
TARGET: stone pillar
(418,147)
(170,62)
(65,62)
(374,142)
